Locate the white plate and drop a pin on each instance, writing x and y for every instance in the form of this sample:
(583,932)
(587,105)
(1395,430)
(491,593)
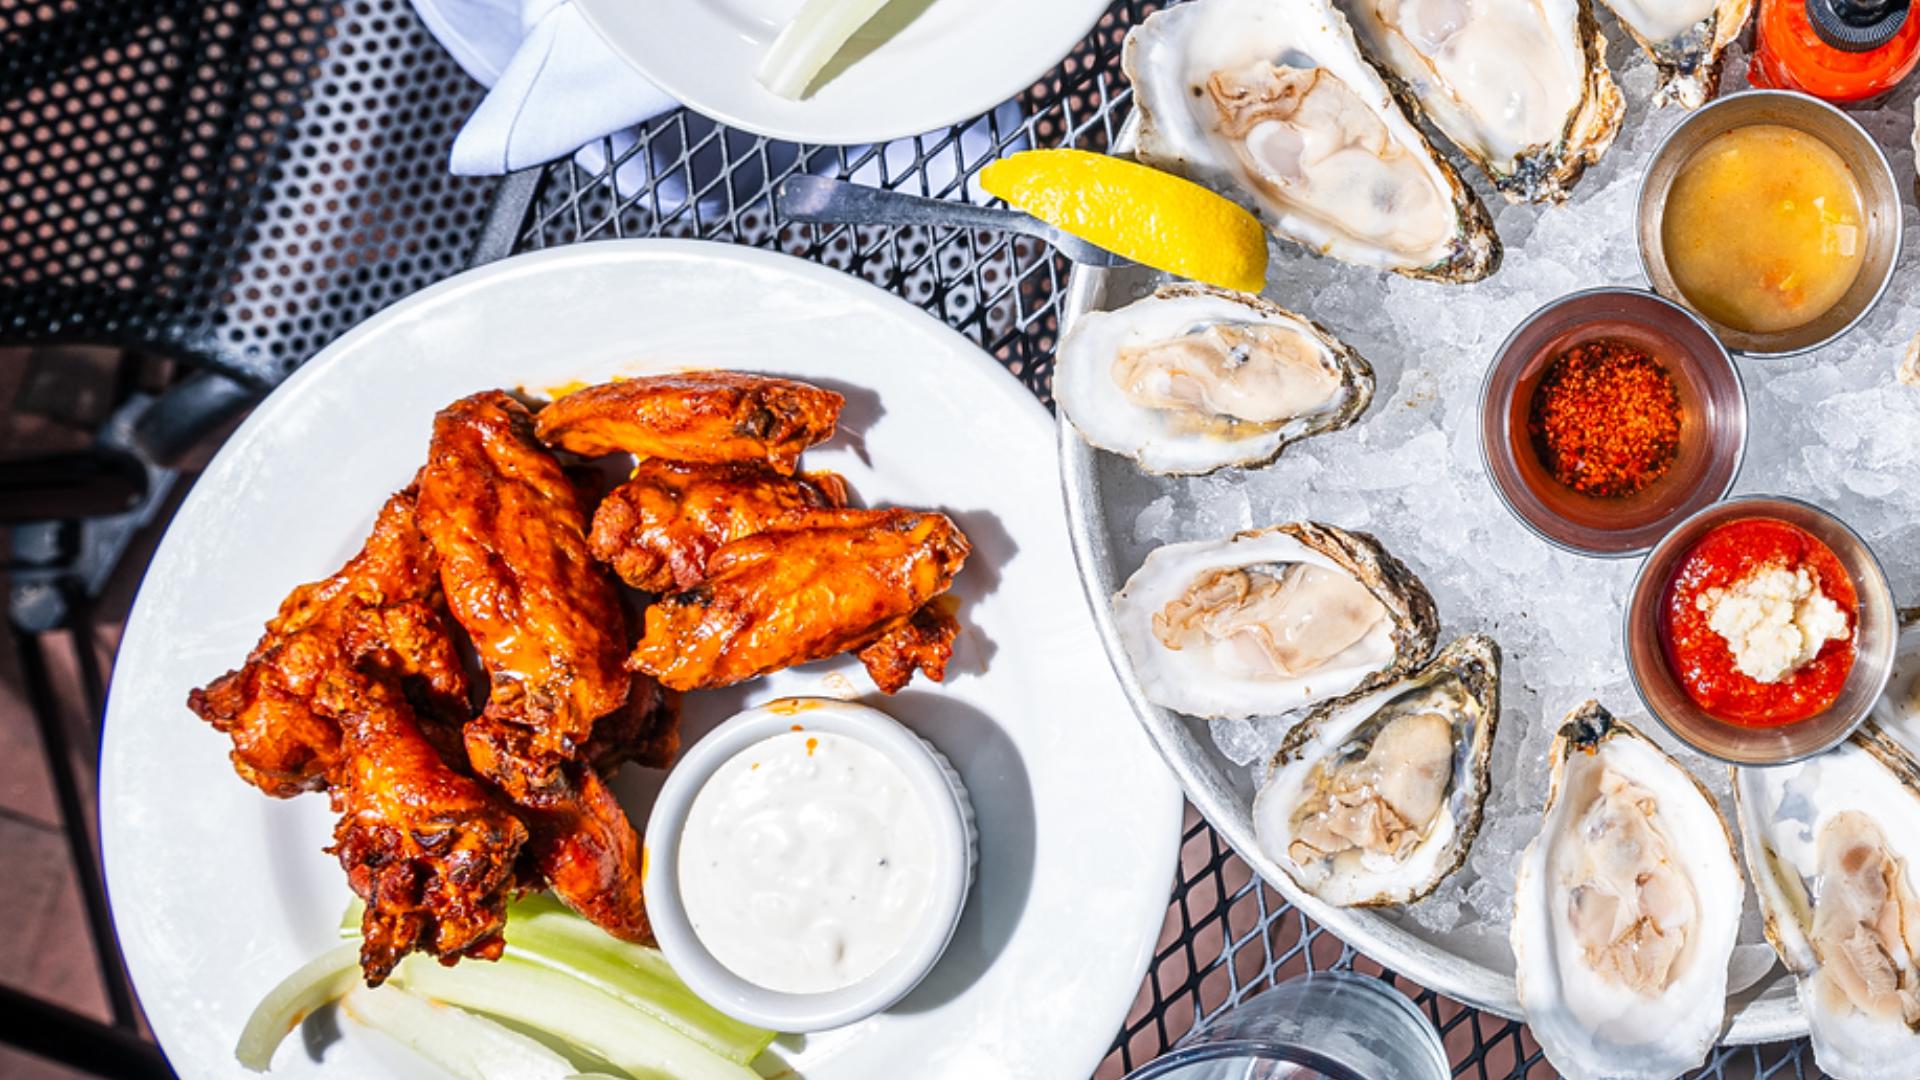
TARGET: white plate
(218,892)
(918,66)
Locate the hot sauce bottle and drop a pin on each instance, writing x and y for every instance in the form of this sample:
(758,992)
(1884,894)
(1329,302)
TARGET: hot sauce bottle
(1842,50)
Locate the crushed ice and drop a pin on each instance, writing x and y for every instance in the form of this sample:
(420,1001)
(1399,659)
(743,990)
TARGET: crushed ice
(1834,427)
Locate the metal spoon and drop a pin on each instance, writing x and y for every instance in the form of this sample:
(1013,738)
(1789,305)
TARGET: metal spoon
(821,200)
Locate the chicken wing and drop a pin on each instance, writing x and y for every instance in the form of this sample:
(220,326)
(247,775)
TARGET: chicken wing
(791,596)
(510,532)
(659,528)
(380,613)
(430,850)
(509,528)
(711,417)
(589,854)
(357,688)
(645,730)
(923,642)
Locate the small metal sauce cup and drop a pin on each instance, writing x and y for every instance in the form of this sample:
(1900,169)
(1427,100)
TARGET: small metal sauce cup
(1879,196)
(1713,432)
(1876,635)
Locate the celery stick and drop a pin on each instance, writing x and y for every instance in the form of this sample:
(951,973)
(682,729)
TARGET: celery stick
(468,1046)
(809,43)
(635,974)
(573,1012)
(350,921)
(318,982)
(543,930)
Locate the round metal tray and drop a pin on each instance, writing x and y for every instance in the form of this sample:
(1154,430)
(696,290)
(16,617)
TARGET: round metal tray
(1104,492)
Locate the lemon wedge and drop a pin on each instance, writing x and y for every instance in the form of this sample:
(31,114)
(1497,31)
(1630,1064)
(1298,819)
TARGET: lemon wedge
(1154,218)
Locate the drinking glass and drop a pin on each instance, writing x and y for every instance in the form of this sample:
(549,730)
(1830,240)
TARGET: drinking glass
(1331,1024)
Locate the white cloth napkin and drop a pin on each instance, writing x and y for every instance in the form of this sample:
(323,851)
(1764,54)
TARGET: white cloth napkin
(554,84)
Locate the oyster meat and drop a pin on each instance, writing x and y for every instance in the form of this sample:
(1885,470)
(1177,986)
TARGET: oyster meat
(1273,105)
(1834,846)
(1687,40)
(1520,86)
(1625,908)
(1194,378)
(1268,621)
(1375,798)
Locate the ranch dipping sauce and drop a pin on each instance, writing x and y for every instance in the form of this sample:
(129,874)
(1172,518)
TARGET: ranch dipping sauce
(807,862)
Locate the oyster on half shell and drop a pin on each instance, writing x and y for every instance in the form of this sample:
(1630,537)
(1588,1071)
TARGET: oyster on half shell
(1273,620)
(1272,104)
(1687,40)
(1375,798)
(1195,378)
(1626,908)
(1520,86)
(1834,846)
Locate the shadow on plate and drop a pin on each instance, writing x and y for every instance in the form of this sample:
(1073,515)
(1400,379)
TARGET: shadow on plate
(861,412)
(993,548)
(320,1030)
(1002,796)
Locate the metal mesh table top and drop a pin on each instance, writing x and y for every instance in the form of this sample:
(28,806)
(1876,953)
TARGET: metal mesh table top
(1227,935)
(231,182)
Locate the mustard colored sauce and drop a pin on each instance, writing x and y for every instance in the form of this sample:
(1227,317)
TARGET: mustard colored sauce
(1764,228)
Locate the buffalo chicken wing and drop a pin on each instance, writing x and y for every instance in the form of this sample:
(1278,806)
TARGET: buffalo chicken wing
(547,623)
(381,613)
(357,688)
(710,417)
(790,596)
(589,853)
(429,849)
(923,642)
(510,531)
(659,528)
(645,730)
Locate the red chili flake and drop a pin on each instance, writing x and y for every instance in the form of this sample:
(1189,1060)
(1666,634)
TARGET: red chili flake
(1605,419)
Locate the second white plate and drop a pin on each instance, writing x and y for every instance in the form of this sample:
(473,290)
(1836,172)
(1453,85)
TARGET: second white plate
(918,66)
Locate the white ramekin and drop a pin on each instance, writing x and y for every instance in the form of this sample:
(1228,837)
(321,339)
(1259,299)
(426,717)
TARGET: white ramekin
(956,855)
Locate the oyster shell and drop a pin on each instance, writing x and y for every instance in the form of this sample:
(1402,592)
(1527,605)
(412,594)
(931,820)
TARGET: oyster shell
(1273,105)
(1272,620)
(1626,907)
(1687,40)
(1897,713)
(1520,86)
(1834,846)
(1375,798)
(1194,378)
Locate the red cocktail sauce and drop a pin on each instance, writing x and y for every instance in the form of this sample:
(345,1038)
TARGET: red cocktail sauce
(1700,657)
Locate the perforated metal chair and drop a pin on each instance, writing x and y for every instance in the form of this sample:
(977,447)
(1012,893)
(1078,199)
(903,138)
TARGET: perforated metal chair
(224,185)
